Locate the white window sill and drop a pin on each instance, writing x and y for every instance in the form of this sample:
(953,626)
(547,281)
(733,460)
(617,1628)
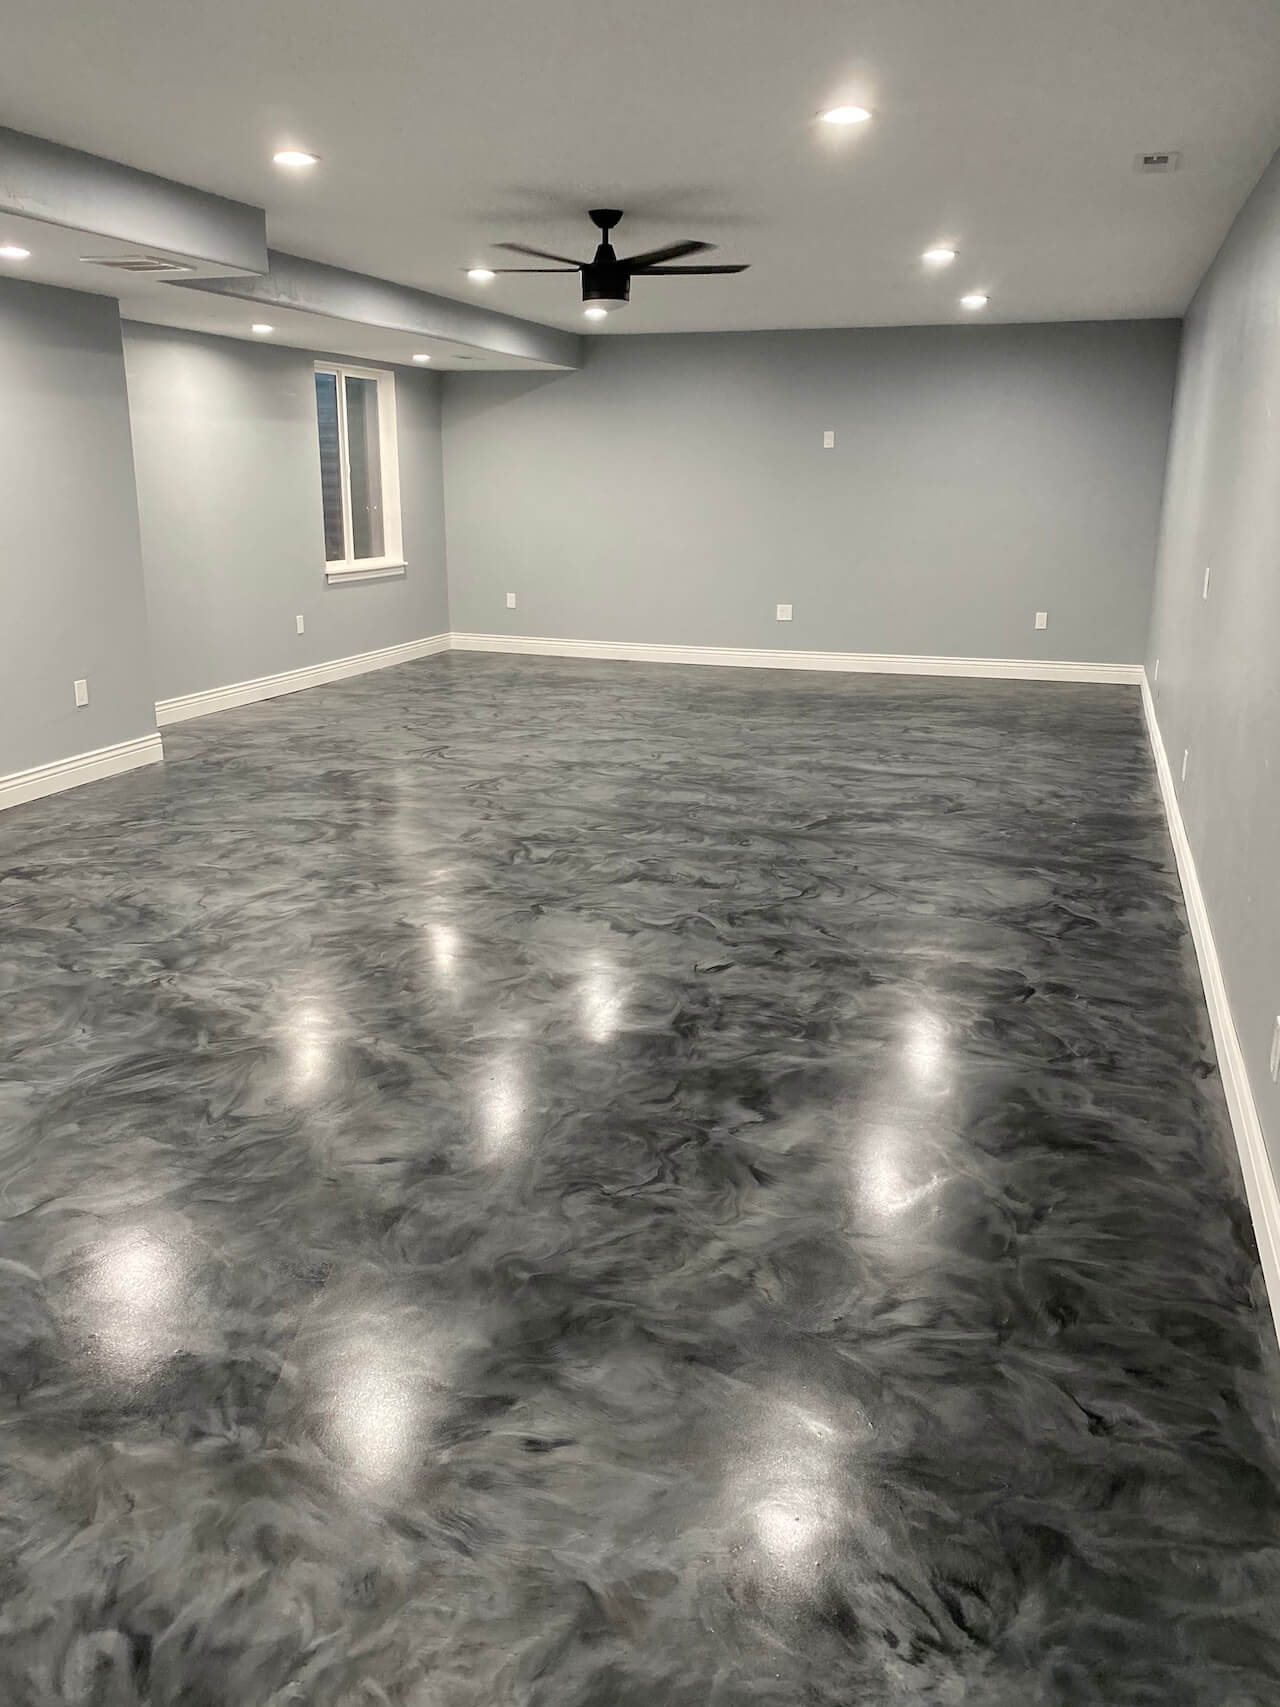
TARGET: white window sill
(375,569)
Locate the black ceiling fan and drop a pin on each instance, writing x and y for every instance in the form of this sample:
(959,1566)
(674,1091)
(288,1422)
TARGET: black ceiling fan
(606,277)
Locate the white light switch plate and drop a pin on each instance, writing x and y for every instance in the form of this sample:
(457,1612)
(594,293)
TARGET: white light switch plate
(511,601)
(1275,1051)
(828,440)
(302,624)
(1204,591)
(784,613)
(82,692)
(1042,619)
(1186,754)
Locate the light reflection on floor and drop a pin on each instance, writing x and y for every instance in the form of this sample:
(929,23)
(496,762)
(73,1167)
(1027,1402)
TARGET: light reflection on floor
(132,1301)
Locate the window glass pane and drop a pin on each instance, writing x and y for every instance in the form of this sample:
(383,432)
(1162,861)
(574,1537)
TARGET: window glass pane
(365,462)
(335,548)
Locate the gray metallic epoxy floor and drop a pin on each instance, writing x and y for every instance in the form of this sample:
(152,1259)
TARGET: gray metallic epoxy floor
(531,1184)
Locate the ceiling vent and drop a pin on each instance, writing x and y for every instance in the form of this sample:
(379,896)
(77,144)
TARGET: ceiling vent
(138,263)
(1162,160)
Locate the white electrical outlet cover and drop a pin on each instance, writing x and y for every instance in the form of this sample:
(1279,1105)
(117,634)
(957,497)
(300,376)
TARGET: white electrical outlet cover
(82,692)
(302,624)
(1186,754)
(1042,619)
(1204,591)
(1275,1050)
(511,601)
(828,440)
(784,613)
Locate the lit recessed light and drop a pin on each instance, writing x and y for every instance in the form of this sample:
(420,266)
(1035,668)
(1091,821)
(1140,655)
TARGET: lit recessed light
(422,357)
(845,115)
(596,313)
(938,257)
(294,157)
(480,275)
(14,252)
(262,329)
(974,300)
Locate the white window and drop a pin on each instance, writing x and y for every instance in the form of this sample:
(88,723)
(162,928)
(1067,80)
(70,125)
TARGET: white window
(359,472)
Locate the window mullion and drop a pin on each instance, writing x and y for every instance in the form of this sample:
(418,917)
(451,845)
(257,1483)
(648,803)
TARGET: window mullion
(344,463)
(389,468)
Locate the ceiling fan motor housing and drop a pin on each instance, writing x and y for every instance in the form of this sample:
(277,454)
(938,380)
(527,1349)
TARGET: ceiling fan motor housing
(605,284)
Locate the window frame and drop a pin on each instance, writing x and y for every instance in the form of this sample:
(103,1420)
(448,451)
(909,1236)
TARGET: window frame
(392,560)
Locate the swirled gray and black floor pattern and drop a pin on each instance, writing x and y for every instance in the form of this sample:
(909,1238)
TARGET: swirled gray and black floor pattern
(540,1184)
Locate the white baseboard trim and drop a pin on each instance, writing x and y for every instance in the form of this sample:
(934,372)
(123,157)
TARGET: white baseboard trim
(200,704)
(34,784)
(1259,1179)
(208,700)
(760,658)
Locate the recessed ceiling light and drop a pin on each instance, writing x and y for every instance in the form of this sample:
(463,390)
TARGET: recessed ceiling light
(939,257)
(294,157)
(14,252)
(596,313)
(974,300)
(261,328)
(845,115)
(480,275)
(422,357)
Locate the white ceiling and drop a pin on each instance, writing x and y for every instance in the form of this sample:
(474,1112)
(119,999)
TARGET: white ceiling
(1005,127)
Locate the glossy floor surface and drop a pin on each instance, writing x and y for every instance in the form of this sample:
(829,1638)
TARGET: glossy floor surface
(532,1184)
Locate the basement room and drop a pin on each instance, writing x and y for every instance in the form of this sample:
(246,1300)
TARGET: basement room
(639,810)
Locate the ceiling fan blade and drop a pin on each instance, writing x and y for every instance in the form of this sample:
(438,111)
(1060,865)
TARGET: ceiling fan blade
(533,269)
(657,272)
(672,252)
(542,254)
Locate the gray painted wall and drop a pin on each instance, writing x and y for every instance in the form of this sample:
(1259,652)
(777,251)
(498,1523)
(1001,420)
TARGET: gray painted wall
(676,489)
(1218,692)
(228,473)
(71,593)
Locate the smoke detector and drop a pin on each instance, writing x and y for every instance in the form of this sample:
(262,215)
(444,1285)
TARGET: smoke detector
(138,263)
(1160,160)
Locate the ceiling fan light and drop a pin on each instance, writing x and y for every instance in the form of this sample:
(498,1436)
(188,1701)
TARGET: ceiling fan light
(596,311)
(845,115)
